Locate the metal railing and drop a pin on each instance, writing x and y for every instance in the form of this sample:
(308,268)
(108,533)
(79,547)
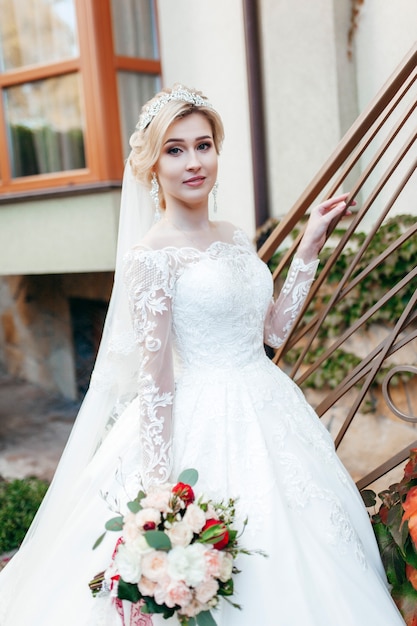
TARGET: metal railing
(376,161)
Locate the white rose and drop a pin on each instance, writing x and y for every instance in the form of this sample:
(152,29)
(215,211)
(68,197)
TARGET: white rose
(194,517)
(187,564)
(158,498)
(226,567)
(206,590)
(180,534)
(128,562)
(211,512)
(154,565)
(130,528)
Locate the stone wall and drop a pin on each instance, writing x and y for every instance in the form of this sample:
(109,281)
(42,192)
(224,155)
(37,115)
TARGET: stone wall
(37,329)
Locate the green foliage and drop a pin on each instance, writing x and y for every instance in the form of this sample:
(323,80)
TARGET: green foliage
(19,501)
(360,299)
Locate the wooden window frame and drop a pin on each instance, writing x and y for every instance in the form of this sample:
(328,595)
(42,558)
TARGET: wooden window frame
(97,66)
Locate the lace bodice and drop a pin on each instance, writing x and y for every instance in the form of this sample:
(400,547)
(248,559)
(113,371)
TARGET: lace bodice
(210,309)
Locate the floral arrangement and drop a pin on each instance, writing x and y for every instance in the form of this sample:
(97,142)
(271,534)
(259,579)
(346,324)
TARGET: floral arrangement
(175,555)
(395,527)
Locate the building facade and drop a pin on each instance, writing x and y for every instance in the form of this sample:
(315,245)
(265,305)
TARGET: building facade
(288,78)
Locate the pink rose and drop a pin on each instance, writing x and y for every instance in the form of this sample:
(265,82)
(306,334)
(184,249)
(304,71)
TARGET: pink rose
(178,594)
(194,608)
(214,560)
(154,565)
(146,586)
(206,590)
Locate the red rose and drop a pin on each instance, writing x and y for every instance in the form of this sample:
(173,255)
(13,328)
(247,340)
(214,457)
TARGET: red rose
(149,526)
(184,492)
(219,535)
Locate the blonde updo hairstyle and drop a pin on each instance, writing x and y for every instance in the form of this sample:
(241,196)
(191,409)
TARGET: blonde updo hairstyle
(146,143)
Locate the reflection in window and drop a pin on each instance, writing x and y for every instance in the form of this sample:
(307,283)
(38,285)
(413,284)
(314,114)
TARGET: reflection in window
(45,126)
(134,28)
(134,91)
(36,31)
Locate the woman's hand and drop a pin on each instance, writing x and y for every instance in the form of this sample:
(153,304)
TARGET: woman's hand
(321,217)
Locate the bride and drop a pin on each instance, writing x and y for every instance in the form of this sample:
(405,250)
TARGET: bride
(182,380)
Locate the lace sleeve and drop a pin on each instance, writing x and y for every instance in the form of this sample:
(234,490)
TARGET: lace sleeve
(148,283)
(283,312)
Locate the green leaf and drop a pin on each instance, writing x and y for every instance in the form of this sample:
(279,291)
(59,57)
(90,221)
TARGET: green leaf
(227,588)
(368,497)
(134,506)
(158,540)
(99,540)
(151,606)
(205,618)
(116,523)
(128,591)
(189,477)
(391,556)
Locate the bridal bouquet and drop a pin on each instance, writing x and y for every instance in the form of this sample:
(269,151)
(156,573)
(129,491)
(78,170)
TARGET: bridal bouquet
(395,527)
(176,553)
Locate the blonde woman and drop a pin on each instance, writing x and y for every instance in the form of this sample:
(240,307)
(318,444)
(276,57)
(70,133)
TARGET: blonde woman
(182,380)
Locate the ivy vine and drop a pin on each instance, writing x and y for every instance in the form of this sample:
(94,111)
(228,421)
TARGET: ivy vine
(359,300)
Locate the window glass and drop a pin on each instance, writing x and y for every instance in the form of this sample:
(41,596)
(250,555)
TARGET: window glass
(134,28)
(36,31)
(45,126)
(134,91)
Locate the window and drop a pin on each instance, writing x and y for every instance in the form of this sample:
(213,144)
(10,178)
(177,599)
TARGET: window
(73,76)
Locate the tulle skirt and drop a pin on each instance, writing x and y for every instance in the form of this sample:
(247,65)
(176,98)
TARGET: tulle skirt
(251,435)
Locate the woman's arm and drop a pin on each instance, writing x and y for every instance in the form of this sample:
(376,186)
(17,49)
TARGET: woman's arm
(148,285)
(283,312)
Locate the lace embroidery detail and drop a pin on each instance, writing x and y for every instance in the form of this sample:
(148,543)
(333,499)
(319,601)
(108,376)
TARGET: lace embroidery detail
(300,490)
(292,297)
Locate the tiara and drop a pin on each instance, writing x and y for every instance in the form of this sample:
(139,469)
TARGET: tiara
(179,93)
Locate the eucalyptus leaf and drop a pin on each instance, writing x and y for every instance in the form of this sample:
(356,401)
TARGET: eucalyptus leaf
(99,540)
(134,506)
(189,477)
(116,523)
(205,618)
(158,540)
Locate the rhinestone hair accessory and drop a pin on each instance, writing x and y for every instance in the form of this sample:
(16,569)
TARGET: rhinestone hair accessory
(181,94)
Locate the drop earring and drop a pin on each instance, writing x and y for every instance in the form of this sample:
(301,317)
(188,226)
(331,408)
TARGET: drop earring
(214,192)
(154,193)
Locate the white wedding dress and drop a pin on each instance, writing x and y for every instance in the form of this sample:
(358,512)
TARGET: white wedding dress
(201,319)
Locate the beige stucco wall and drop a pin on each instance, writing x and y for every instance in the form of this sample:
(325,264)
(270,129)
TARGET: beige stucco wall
(57,235)
(202,45)
(309,90)
(385,34)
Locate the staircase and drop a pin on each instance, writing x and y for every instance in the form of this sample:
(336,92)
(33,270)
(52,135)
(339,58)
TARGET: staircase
(376,161)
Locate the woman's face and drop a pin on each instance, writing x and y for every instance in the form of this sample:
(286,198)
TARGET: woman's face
(187,165)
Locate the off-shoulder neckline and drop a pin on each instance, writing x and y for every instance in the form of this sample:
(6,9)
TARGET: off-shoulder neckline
(218,243)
